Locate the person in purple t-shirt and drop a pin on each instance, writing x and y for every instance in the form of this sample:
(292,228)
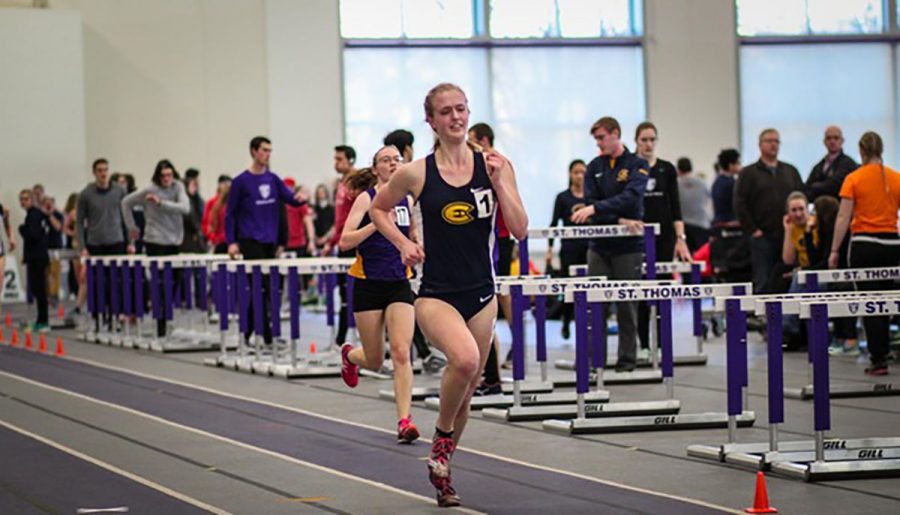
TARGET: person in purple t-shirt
(251,216)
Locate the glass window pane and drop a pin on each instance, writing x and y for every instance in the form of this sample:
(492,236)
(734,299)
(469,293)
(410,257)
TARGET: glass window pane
(384,89)
(846,16)
(523,18)
(371,19)
(541,134)
(561,18)
(771,17)
(437,18)
(593,18)
(790,88)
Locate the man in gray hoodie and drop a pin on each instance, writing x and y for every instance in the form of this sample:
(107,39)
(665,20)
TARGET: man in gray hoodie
(99,223)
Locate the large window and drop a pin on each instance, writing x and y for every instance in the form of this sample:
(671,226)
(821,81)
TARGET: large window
(540,100)
(807,64)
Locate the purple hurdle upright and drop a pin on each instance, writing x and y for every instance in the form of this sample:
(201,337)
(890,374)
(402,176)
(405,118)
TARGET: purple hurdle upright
(243,303)
(665,337)
(259,326)
(774,323)
(155,305)
(294,298)
(115,305)
(697,310)
(100,275)
(138,297)
(222,304)
(127,301)
(91,289)
(650,263)
(734,377)
(518,345)
(821,406)
(274,309)
(582,372)
(330,280)
(597,336)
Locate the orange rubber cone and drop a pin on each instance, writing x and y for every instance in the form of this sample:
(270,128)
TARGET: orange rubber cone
(2,337)
(61,312)
(312,347)
(8,321)
(43,345)
(761,499)
(59,347)
(15,338)
(29,343)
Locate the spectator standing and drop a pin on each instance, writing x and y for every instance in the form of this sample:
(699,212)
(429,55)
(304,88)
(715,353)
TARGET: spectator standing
(695,200)
(828,175)
(35,242)
(760,197)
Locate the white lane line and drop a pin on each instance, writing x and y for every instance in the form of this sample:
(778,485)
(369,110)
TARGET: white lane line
(237,443)
(577,475)
(116,470)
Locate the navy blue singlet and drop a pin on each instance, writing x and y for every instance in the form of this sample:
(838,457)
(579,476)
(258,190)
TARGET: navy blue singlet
(458,231)
(378,258)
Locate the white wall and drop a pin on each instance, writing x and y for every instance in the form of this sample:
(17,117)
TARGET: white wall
(303,55)
(42,118)
(692,83)
(178,79)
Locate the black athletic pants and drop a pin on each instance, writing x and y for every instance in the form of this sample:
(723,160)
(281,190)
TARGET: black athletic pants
(152,249)
(252,249)
(868,251)
(37,281)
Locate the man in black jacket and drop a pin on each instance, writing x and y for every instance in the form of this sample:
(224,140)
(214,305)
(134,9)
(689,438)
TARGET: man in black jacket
(614,187)
(828,175)
(760,195)
(35,244)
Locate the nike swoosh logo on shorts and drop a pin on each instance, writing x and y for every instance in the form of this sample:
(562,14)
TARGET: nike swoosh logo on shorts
(484,299)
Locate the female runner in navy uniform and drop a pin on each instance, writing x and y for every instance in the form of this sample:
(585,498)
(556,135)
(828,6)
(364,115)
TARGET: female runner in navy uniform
(457,189)
(381,293)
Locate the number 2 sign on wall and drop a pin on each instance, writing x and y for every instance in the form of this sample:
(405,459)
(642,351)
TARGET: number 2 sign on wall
(12,285)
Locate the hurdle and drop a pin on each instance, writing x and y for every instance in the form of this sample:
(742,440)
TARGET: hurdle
(588,421)
(662,268)
(533,392)
(96,287)
(813,279)
(871,462)
(524,393)
(191,333)
(284,360)
(760,456)
(520,411)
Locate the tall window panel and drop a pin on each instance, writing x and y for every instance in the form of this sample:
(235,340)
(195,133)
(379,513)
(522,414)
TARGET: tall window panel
(800,89)
(545,100)
(384,89)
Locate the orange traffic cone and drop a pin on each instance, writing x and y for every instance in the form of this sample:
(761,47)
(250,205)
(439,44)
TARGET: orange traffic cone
(61,312)
(761,499)
(8,321)
(59,347)
(43,345)
(312,347)
(29,343)
(15,338)
(2,337)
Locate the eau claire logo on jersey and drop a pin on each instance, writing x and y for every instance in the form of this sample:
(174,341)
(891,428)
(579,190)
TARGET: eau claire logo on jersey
(458,213)
(265,190)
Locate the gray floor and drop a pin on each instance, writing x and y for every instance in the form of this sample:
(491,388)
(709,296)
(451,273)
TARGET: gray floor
(236,477)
